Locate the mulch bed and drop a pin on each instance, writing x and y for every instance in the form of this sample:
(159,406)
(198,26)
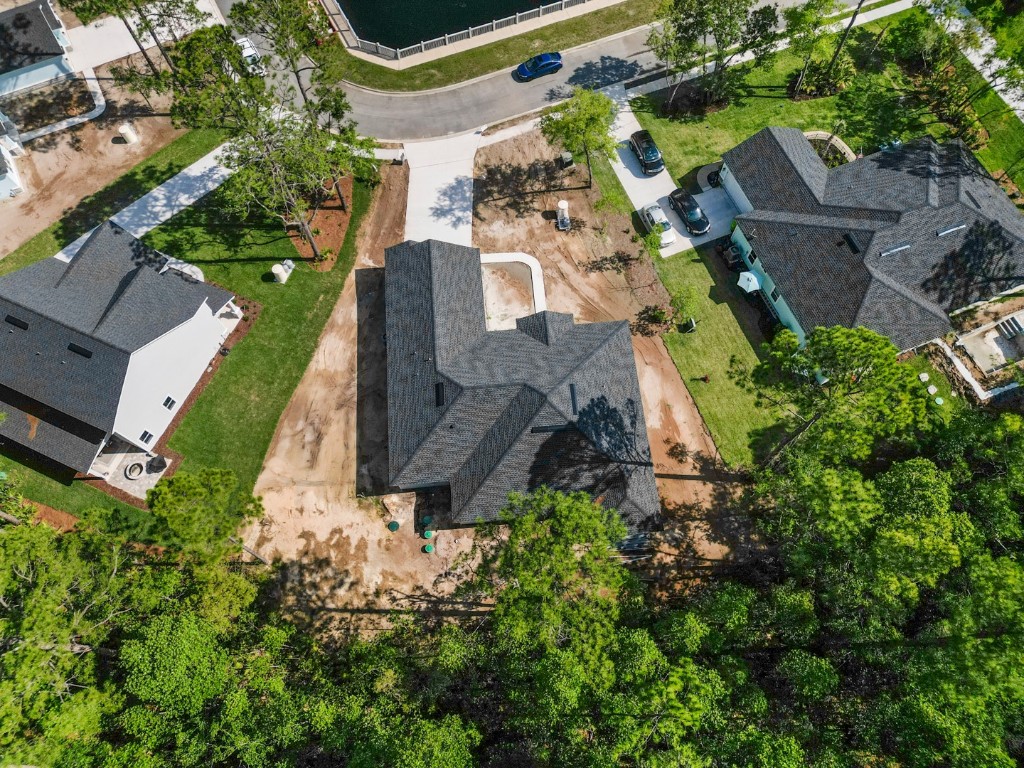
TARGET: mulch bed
(250,312)
(54,518)
(332,221)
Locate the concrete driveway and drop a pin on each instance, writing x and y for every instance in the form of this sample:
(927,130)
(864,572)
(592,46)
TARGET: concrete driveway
(643,189)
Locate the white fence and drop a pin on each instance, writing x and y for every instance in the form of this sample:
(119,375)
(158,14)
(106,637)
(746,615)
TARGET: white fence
(352,40)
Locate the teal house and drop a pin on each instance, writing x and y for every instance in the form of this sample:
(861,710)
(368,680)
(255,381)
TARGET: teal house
(897,241)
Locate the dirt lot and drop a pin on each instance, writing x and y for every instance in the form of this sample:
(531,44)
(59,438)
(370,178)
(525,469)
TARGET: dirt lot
(596,273)
(342,567)
(508,294)
(62,168)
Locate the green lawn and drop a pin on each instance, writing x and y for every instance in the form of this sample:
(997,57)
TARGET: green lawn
(867,113)
(505,53)
(99,207)
(232,423)
(726,340)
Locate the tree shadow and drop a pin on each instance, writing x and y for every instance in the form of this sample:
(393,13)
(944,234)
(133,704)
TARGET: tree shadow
(979,268)
(605,71)
(371,384)
(516,186)
(454,203)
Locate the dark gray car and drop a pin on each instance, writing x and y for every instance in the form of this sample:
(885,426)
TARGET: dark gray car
(689,211)
(647,152)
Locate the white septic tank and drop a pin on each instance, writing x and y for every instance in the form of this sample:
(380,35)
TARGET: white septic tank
(283,270)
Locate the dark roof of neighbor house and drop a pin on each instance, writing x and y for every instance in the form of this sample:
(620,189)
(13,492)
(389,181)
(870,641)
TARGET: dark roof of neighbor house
(68,330)
(484,413)
(894,241)
(26,37)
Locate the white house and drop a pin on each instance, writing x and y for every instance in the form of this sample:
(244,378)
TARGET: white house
(107,345)
(896,241)
(33,44)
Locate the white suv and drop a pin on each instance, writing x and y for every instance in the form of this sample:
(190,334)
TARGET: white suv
(252,57)
(655,220)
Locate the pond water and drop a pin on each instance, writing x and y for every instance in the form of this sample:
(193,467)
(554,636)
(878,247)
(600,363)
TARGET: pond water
(399,23)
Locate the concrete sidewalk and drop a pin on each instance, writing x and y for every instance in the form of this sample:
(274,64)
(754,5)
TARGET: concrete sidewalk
(157,206)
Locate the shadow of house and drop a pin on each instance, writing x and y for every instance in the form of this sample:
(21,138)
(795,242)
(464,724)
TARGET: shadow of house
(479,414)
(371,384)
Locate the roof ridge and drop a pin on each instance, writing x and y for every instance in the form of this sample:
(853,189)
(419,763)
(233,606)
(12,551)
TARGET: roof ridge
(618,324)
(894,285)
(771,132)
(504,452)
(62,324)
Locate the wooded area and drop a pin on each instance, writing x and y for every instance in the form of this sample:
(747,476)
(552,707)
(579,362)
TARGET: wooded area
(877,621)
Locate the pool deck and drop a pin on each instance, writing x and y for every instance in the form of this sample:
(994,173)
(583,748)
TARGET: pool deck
(486,38)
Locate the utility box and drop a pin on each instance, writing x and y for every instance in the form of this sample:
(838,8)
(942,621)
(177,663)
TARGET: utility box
(563,221)
(565,161)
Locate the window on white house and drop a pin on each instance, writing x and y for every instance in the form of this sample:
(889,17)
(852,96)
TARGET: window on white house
(146,437)
(169,403)
(775,294)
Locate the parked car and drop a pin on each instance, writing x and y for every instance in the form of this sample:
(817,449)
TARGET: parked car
(251,56)
(655,220)
(538,66)
(647,152)
(689,211)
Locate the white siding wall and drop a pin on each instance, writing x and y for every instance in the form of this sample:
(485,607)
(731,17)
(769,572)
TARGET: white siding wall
(10,182)
(167,367)
(732,188)
(37,74)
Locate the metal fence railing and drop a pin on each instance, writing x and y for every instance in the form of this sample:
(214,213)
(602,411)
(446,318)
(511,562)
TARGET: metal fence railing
(352,40)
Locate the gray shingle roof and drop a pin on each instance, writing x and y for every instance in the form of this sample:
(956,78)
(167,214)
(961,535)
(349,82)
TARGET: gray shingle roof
(68,330)
(484,413)
(888,200)
(26,37)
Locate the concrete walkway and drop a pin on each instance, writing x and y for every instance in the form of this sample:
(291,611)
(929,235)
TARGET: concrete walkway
(988,64)
(157,206)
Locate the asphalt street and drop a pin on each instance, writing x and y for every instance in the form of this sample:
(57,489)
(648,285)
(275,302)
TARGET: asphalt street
(490,99)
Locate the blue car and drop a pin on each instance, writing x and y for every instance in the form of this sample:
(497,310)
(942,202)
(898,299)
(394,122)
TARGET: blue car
(538,66)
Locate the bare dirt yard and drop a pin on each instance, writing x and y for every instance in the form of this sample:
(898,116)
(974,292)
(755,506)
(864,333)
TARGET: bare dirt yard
(341,566)
(62,168)
(598,272)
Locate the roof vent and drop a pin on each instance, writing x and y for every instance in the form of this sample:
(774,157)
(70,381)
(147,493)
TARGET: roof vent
(572,396)
(897,249)
(439,394)
(951,230)
(87,353)
(851,242)
(17,322)
(972,198)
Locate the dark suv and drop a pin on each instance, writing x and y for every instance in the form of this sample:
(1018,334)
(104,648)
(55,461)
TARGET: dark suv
(689,211)
(647,152)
